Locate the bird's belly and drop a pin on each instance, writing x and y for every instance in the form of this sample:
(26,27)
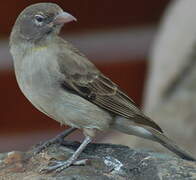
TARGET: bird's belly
(78,112)
(72,110)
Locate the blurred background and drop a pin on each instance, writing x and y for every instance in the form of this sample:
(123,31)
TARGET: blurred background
(116,35)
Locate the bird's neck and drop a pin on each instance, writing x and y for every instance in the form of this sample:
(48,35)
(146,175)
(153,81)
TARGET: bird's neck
(21,48)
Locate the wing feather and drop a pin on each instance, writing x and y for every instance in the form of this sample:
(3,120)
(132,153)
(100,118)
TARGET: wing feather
(88,82)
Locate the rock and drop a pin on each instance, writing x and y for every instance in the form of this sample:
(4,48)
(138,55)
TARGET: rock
(106,162)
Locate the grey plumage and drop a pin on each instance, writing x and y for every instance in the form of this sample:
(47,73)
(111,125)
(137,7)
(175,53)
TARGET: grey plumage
(61,82)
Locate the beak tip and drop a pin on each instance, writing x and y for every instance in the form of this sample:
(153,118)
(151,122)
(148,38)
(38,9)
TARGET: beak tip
(73,18)
(63,18)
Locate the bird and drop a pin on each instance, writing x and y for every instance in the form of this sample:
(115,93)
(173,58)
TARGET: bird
(62,83)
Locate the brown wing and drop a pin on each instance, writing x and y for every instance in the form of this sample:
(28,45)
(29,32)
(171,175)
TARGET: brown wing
(104,93)
(83,78)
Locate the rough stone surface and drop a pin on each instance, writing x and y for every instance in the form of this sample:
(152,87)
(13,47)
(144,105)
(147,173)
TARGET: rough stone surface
(106,162)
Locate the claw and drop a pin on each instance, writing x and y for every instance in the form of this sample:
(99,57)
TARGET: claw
(63,165)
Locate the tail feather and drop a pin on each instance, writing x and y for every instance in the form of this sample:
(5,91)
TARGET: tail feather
(132,128)
(171,145)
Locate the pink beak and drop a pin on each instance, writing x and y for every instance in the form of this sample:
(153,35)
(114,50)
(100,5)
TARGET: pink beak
(63,18)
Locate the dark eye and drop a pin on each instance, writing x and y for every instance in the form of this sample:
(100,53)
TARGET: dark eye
(39,18)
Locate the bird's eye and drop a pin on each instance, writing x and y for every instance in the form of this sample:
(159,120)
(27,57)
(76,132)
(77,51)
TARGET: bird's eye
(39,19)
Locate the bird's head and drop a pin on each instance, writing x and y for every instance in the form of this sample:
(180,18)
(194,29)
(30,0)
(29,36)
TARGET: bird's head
(39,21)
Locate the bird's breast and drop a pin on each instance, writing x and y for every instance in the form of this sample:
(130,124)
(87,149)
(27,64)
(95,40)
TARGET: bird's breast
(37,77)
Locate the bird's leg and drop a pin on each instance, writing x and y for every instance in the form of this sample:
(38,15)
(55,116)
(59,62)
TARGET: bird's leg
(58,139)
(89,134)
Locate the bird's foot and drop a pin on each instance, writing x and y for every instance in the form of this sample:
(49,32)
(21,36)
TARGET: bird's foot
(58,139)
(59,166)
